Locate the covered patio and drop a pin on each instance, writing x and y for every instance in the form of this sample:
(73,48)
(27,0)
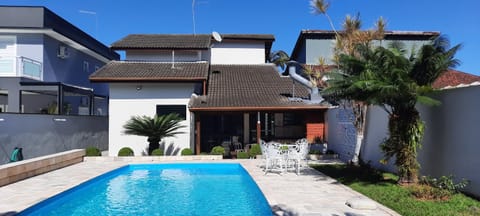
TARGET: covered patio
(246,103)
(235,129)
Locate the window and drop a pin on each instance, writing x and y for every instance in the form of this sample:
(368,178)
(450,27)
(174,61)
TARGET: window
(86,67)
(181,110)
(292,118)
(96,67)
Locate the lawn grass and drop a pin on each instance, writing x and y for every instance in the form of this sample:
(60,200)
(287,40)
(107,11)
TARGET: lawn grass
(383,188)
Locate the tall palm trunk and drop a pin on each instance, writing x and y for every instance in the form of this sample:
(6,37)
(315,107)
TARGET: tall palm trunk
(406,132)
(360,114)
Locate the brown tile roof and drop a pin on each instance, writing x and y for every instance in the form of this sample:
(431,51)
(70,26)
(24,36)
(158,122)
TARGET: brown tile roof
(151,71)
(181,41)
(454,78)
(163,41)
(249,87)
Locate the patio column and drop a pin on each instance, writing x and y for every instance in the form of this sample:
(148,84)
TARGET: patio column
(197,134)
(259,128)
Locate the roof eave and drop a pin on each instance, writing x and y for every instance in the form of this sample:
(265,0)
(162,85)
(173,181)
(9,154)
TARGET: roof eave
(147,79)
(156,48)
(265,108)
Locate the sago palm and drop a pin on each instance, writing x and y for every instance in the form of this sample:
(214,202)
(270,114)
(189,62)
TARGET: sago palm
(387,77)
(154,128)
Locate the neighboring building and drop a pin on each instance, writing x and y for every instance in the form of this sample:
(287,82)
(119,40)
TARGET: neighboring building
(313,44)
(223,88)
(45,63)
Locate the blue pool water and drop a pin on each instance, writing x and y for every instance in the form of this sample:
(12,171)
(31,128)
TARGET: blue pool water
(161,189)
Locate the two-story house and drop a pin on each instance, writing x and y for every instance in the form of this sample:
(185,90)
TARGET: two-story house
(45,62)
(221,86)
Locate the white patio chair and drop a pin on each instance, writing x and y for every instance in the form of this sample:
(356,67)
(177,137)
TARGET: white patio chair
(298,154)
(274,157)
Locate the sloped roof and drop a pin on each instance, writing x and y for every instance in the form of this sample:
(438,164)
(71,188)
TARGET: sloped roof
(249,87)
(181,41)
(151,71)
(452,78)
(163,41)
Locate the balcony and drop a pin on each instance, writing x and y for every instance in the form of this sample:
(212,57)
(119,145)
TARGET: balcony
(20,66)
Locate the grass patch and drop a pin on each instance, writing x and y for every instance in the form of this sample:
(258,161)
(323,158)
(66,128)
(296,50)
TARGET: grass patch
(383,188)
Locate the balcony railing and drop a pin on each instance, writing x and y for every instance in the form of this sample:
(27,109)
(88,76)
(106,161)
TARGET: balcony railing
(21,66)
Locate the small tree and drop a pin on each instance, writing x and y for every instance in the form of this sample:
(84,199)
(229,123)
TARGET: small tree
(155,129)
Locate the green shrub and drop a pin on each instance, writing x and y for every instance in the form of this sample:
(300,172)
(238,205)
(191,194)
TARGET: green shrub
(242,155)
(187,151)
(157,152)
(255,150)
(125,151)
(217,150)
(92,152)
(444,182)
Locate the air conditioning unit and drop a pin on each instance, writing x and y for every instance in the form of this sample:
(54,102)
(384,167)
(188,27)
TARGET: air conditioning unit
(62,52)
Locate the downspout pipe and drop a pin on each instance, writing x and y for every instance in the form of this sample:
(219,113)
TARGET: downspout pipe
(292,70)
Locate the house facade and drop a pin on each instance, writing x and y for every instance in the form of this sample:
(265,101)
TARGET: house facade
(223,88)
(45,62)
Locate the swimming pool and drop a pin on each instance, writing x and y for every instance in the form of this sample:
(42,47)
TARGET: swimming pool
(161,189)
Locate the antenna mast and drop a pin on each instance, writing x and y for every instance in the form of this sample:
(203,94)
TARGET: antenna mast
(193,16)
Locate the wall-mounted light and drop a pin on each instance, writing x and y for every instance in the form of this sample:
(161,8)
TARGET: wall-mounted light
(138,87)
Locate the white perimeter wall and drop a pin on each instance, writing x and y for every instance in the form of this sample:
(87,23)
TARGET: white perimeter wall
(451,144)
(127,101)
(238,53)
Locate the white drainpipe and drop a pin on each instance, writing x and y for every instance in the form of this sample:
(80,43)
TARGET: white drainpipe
(314,96)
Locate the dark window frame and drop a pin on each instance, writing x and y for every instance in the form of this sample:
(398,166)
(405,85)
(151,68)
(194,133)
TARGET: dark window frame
(172,108)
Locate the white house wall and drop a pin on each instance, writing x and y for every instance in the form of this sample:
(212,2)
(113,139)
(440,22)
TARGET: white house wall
(126,101)
(238,53)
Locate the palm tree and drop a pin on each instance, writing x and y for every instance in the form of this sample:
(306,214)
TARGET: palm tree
(155,128)
(346,40)
(387,77)
(280,58)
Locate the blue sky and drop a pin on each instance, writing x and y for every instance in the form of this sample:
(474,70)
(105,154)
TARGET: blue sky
(459,20)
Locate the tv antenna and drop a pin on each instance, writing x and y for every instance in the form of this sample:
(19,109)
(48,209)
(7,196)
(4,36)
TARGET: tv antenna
(193,15)
(93,13)
(217,36)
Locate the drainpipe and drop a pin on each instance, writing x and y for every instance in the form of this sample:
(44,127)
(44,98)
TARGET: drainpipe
(314,95)
(292,70)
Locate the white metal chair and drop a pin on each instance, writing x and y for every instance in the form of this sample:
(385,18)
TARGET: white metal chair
(274,157)
(298,154)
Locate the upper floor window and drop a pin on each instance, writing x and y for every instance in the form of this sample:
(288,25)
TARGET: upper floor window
(86,67)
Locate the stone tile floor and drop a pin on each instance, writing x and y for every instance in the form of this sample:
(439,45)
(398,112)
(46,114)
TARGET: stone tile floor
(310,193)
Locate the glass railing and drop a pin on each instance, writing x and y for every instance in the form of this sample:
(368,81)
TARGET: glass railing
(21,66)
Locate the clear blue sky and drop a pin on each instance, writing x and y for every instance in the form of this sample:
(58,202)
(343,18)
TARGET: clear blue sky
(459,20)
